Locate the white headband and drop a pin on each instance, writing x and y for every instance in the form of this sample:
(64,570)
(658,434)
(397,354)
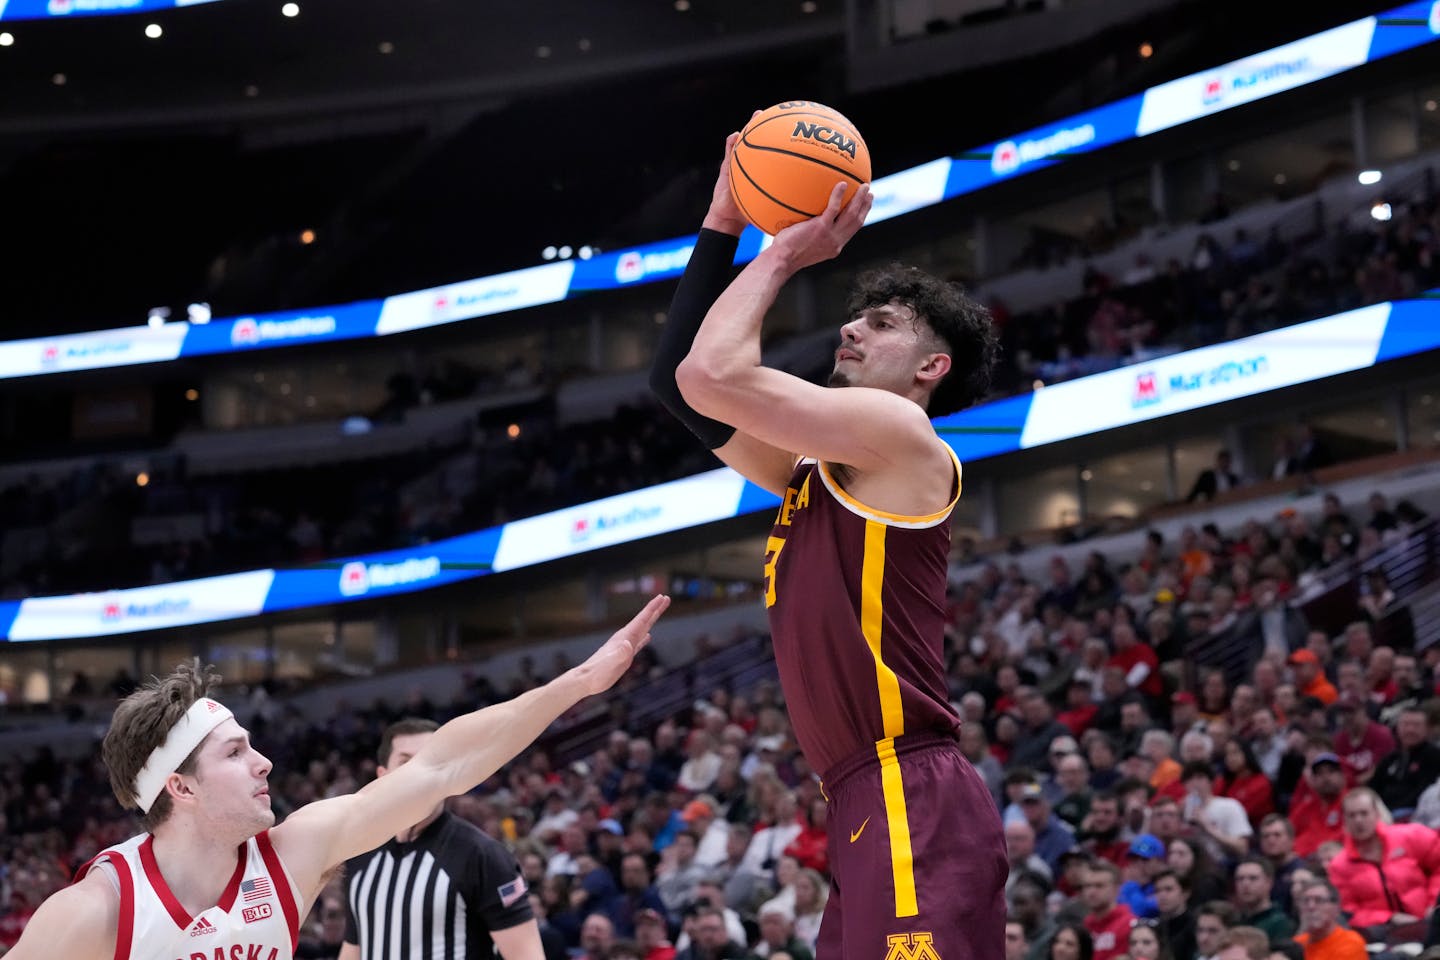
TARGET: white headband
(203,716)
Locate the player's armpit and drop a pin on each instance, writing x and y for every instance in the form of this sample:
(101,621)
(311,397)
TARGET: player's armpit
(77,923)
(864,428)
(763,465)
(349,951)
(520,942)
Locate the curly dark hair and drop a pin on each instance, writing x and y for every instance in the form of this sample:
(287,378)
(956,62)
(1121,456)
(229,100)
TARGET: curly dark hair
(961,322)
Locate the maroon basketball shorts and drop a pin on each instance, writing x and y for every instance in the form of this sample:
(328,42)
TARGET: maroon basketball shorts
(917,856)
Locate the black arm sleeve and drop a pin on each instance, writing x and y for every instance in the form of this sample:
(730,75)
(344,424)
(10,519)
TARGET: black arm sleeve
(706,277)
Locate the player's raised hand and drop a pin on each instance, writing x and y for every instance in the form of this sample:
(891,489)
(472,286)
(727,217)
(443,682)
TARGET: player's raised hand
(724,214)
(822,238)
(609,663)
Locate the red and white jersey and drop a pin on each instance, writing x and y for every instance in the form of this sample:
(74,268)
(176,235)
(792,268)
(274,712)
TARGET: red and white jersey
(257,918)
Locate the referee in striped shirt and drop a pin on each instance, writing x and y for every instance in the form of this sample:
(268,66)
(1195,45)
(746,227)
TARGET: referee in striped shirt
(441,890)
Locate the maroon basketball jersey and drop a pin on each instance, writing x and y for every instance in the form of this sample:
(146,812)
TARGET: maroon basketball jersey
(857,614)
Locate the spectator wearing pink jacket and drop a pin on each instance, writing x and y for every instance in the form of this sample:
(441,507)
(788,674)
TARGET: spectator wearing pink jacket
(1387,874)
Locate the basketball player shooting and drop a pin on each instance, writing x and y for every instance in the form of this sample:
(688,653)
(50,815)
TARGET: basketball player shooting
(855,566)
(213,878)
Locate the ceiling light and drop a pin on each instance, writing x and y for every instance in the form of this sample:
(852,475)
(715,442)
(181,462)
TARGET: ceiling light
(157,316)
(1381,211)
(585,253)
(142,479)
(584,44)
(809,6)
(307,237)
(7,39)
(1233,165)
(153,31)
(549,253)
(192,394)
(543,52)
(1430,105)
(386,46)
(1367,177)
(1087,475)
(565,252)
(1279,179)
(198,313)
(252,91)
(1146,51)
(291,10)
(512,431)
(59,79)
(682,5)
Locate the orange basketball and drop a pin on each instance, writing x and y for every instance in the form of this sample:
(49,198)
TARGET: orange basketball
(789,158)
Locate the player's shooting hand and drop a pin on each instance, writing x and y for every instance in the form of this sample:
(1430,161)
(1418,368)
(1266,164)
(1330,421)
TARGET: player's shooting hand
(822,238)
(609,663)
(724,214)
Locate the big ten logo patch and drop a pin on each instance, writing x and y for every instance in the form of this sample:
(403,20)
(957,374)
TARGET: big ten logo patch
(911,946)
(262,912)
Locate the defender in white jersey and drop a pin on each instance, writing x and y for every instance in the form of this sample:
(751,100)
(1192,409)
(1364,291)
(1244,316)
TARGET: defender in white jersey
(213,878)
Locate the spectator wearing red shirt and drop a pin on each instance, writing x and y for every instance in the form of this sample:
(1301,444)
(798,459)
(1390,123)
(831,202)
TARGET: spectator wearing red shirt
(810,847)
(1079,713)
(1380,675)
(1101,833)
(652,936)
(1317,816)
(1107,920)
(1361,742)
(1243,780)
(1141,666)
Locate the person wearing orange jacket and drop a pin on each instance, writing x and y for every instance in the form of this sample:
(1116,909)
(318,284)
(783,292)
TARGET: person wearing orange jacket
(1388,874)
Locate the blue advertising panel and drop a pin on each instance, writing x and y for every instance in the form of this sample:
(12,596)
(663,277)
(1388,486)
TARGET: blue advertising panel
(1204,377)
(60,9)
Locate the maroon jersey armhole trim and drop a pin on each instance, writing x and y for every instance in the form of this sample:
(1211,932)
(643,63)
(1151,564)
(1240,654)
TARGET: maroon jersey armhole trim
(281,882)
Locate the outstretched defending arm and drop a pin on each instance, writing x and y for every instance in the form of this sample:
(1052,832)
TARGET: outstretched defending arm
(460,756)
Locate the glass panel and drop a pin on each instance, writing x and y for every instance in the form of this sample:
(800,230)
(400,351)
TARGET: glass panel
(1127,484)
(1390,128)
(1357,430)
(239,656)
(85,672)
(1429,97)
(1186,196)
(305,650)
(1051,234)
(1193,454)
(24,674)
(1423,414)
(1288,163)
(1134,206)
(1039,501)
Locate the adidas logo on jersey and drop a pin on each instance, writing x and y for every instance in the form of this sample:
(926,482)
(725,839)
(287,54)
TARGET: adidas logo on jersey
(202,927)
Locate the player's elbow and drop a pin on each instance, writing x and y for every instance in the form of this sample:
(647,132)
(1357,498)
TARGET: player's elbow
(700,383)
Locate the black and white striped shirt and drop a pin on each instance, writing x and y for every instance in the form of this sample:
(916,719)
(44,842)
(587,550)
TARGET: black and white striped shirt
(436,898)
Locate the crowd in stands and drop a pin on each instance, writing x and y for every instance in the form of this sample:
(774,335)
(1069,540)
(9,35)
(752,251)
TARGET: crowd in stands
(1185,766)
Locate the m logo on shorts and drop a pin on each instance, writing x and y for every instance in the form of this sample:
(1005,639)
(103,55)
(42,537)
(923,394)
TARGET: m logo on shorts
(911,946)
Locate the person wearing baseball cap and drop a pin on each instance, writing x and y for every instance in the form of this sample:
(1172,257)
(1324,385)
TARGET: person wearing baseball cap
(1144,861)
(1317,816)
(1310,679)
(1360,741)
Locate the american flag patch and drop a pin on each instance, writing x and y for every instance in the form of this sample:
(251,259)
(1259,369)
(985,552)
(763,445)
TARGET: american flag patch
(513,891)
(257,889)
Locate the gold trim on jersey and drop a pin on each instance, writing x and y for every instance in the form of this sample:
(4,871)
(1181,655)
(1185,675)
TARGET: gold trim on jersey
(872,586)
(902,856)
(892,519)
